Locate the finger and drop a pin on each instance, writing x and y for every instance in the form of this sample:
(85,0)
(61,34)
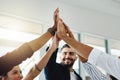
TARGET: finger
(55,17)
(56,14)
(60,25)
(58,38)
(70,33)
(68,30)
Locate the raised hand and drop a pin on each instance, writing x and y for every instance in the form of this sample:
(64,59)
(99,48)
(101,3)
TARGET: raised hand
(55,18)
(68,31)
(63,30)
(54,27)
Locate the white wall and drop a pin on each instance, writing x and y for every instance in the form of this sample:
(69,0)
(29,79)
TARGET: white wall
(79,18)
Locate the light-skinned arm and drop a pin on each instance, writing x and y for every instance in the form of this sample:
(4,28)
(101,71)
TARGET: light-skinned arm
(93,55)
(64,33)
(35,70)
(26,50)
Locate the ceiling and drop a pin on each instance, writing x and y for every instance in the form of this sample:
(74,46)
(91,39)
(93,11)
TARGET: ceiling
(100,17)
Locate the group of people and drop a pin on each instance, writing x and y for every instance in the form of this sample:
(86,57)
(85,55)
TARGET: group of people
(73,49)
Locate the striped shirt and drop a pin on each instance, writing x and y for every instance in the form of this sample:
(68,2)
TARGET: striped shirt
(94,72)
(105,61)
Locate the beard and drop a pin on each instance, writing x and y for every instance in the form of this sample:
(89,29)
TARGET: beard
(68,65)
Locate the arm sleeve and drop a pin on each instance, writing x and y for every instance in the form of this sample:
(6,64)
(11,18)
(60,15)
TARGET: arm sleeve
(105,61)
(94,73)
(51,65)
(52,59)
(9,60)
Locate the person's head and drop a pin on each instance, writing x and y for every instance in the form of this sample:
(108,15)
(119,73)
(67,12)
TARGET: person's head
(68,56)
(14,74)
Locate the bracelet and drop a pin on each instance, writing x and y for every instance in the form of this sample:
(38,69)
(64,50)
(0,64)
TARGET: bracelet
(37,68)
(51,31)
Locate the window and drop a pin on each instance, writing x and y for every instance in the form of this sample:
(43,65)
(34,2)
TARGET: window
(115,47)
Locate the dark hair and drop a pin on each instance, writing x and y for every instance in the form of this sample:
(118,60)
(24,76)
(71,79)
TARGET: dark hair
(113,78)
(4,74)
(0,78)
(65,46)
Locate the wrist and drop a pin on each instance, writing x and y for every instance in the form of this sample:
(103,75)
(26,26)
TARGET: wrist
(51,31)
(36,67)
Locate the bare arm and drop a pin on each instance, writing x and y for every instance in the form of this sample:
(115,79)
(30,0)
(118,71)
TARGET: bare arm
(39,42)
(26,50)
(35,70)
(64,33)
(83,60)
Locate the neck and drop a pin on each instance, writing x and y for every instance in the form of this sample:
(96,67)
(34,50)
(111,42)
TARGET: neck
(71,69)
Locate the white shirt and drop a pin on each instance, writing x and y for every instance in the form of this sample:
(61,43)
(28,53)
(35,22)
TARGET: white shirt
(105,61)
(73,76)
(94,72)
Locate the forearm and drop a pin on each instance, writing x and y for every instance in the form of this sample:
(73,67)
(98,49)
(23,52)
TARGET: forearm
(42,63)
(82,49)
(14,57)
(83,60)
(31,74)
(39,66)
(39,42)
(24,51)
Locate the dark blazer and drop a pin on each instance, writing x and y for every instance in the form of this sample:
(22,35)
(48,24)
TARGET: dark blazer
(56,71)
